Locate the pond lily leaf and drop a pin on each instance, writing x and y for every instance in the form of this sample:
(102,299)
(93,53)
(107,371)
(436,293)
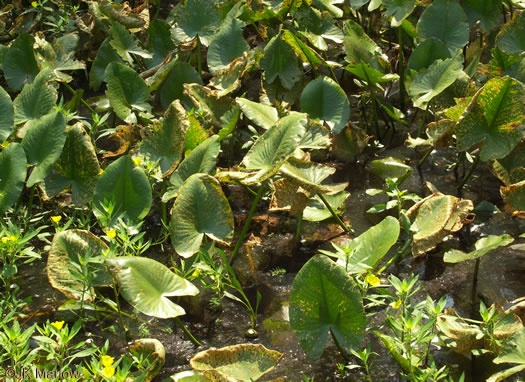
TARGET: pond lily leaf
(483,246)
(35,100)
(359,47)
(316,137)
(316,210)
(213,106)
(146,284)
(227,45)
(262,115)
(434,80)
(173,86)
(228,79)
(275,146)
(236,363)
(126,44)
(200,209)
(369,248)
(487,12)
(495,117)
(60,56)
(13,175)
(197,18)
(324,99)
(280,61)
(513,350)
(201,160)
(105,56)
(66,248)
(318,27)
(20,66)
(511,169)
(438,216)
(324,299)
(398,10)
(511,38)
(160,43)
(127,92)
(514,197)
(77,165)
(43,144)
(427,52)
(166,143)
(310,175)
(446,21)
(189,376)
(389,168)
(127,188)
(7,118)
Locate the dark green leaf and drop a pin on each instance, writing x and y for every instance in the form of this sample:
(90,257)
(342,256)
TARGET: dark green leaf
(20,64)
(105,56)
(12,175)
(280,61)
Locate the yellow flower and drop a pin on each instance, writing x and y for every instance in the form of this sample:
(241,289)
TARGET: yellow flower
(396,304)
(137,161)
(5,239)
(56,219)
(107,360)
(100,172)
(58,325)
(373,280)
(5,144)
(111,233)
(34,4)
(108,371)
(12,238)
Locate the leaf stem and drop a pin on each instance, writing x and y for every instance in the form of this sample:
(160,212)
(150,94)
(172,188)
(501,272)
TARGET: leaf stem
(199,63)
(469,173)
(401,70)
(246,226)
(187,332)
(336,217)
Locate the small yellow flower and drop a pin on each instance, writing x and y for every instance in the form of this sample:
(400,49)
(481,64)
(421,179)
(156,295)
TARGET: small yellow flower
(111,233)
(396,304)
(5,144)
(108,371)
(5,239)
(107,360)
(56,219)
(100,172)
(373,280)
(58,325)
(137,161)
(34,4)
(12,238)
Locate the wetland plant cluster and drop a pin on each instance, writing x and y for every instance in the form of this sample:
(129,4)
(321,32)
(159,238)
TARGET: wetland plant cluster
(140,139)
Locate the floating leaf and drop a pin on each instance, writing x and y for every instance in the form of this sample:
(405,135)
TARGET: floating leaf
(43,144)
(280,61)
(275,146)
(446,21)
(495,117)
(434,80)
(197,18)
(12,175)
(317,27)
(7,117)
(126,44)
(77,165)
(438,216)
(66,249)
(127,188)
(325,300)
(105,56)
(146,284)
(227,45)
(35,100)
(262,115)
(173,86)
(483,246)
(127,92)
(200,209)
(166,143)
(20,66)
(511,38)
(236,363)
(324,99)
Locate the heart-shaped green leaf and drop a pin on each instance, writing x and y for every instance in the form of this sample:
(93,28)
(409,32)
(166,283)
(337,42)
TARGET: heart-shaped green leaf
(60,56)
(43,144)
(166,143)
(399,10)
(324,299)
(105,56)
(275,146)
(446,21)
(126,44)
(511,38)
(483,246)
(239,363)
(200,209)
(227,45)
(127,92)
(324,99)
(13,175)
(495,117)
(7,117)
(262,115)
(317,27)
(159,42)
(173,86)
(389,168)
(316,210)
(197,18)
(66,248)
(146,284)
(488,12)
(20,66)
(127,188)
(280,61)
(427,52)
(514,197)
(77,165)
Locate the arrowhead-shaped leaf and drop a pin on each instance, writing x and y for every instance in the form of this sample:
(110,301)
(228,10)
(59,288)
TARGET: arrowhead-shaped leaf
(20,66)
(280,61)
(227,45)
